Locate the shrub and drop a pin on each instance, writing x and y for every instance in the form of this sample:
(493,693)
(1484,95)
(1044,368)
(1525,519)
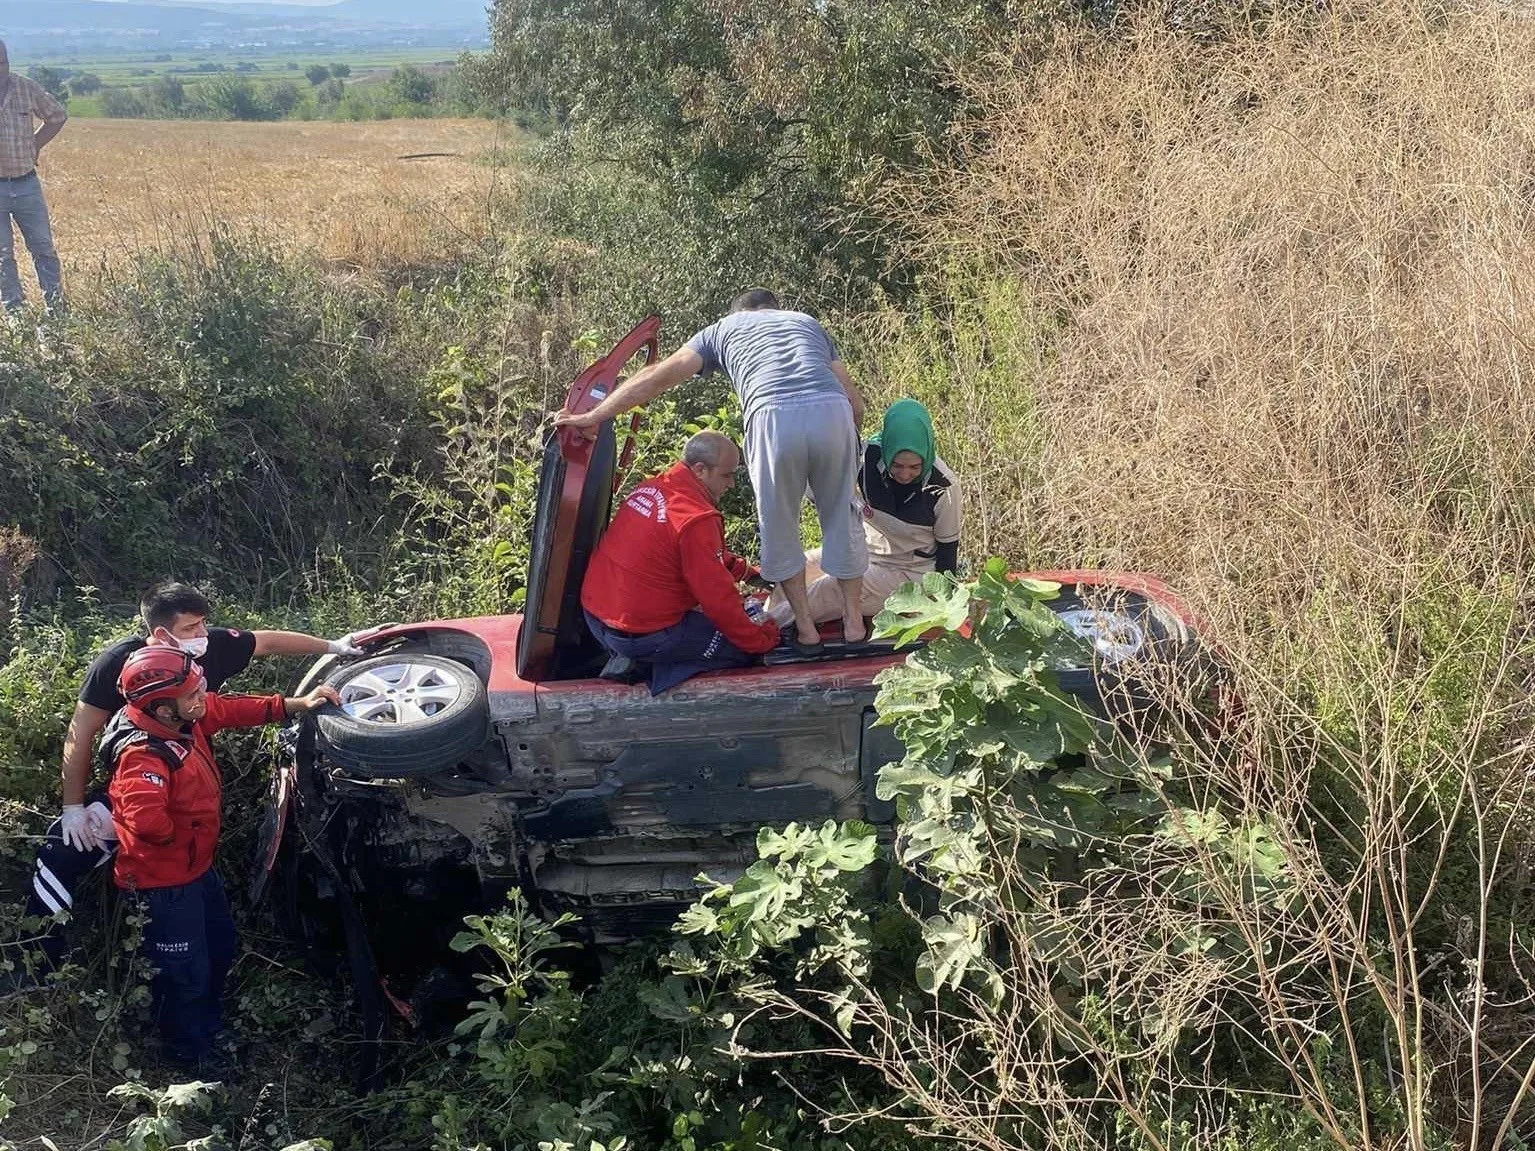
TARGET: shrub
(54,80)
(123,103)
(231,97)
(410,85)
(166,94)
(228,420)
(281,97)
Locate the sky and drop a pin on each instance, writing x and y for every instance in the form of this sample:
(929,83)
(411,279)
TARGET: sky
(215,3)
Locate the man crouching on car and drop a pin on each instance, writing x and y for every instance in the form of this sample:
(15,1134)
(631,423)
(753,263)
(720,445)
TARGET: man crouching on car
(661,588)
(165,793)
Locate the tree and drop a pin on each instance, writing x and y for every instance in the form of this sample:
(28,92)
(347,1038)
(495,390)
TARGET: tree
(51,79)
(166,95)
(84,84)
(317,74)
(783,117)
(341,71)
(282,97)
(234,98)
(411,85)
(123,103)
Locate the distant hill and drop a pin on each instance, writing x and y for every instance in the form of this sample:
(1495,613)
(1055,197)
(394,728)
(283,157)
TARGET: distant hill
(367,11)
(411,11)
(84,15)
(88,15)
(50,27)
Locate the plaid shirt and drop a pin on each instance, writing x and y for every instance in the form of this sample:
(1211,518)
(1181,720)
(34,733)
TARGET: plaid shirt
(24,99)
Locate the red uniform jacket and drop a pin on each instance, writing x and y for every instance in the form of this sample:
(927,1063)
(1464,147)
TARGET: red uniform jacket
(167,822)
(663,555)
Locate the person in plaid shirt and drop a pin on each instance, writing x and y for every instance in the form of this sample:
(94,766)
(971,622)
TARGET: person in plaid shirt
(23,100)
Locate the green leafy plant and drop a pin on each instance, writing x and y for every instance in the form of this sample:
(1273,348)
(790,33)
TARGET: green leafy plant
(1058,886)
(161,1129)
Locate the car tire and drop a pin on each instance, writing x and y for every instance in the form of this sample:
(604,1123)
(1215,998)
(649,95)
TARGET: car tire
(403,715)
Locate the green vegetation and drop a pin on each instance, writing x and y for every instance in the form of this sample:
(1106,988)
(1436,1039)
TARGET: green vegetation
(1242,307)
(362,86)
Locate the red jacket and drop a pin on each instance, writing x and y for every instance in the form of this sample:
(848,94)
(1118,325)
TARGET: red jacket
(167,821)
(663,555)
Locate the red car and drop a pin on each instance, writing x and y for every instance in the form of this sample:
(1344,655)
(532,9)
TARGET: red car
(470,756)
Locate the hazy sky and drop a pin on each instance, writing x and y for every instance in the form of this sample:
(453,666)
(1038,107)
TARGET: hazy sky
(204,3)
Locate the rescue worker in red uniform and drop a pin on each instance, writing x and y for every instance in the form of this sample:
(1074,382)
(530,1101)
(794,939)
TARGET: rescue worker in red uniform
(661,588)
(165,792)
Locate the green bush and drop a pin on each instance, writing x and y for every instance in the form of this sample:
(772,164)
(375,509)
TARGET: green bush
(123,103)
(225,419)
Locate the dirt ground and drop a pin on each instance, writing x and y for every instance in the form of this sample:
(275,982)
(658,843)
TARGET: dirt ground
(362,193)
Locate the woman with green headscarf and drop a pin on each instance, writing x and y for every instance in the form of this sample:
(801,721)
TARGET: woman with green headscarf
(909,500)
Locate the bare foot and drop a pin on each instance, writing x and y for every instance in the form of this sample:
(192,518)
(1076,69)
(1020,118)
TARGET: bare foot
(854,632)
(809,641)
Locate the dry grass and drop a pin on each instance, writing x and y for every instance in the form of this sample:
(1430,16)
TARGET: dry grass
(1256,314)
(338,190)
(1270,301)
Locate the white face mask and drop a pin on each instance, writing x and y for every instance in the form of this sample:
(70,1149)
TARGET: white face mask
(194,647)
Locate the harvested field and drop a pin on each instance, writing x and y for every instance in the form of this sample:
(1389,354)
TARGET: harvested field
(341,189)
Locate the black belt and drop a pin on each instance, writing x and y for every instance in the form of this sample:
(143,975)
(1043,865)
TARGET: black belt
(13,179)
(620,632)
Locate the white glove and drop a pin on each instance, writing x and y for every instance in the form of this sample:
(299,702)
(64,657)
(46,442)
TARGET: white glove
(99,817)
(75,828)
(350,644)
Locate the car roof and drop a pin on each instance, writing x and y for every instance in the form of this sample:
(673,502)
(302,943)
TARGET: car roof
(576,483)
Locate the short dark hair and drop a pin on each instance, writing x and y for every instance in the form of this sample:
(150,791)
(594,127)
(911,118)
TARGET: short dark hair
(167,599)
(754,298)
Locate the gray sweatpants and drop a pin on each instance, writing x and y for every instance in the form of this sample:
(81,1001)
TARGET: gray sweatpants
(789,449)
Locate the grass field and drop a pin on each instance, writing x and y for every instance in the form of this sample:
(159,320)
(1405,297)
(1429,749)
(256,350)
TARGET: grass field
(343,190)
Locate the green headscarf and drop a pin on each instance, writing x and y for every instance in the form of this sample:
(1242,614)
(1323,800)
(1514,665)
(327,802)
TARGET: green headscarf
(907,428)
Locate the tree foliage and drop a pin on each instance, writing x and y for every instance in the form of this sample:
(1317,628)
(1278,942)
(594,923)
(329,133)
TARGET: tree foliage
(778,122)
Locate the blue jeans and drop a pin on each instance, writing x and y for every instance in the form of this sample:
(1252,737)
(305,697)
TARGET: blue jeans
(22,201)
(190,938)
(690,646)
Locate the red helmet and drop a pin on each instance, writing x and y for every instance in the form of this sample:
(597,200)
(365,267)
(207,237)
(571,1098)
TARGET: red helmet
(156,673)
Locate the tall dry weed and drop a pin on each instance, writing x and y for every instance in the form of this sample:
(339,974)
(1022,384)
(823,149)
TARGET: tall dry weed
(1297,273)
(1267,307)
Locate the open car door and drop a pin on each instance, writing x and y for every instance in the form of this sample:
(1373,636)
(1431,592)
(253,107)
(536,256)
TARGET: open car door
(571,515)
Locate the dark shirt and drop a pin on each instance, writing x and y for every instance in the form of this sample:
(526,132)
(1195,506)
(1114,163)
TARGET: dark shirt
(229,652)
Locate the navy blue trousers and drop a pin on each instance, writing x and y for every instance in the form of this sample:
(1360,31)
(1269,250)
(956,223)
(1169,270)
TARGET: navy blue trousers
(56,875)
(691,645)
(190,939)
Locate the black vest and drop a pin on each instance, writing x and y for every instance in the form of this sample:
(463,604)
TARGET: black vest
(120,734)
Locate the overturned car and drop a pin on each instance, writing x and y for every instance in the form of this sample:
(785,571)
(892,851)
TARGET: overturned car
(472,756)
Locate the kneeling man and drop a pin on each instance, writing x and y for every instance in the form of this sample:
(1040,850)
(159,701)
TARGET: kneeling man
(661,588)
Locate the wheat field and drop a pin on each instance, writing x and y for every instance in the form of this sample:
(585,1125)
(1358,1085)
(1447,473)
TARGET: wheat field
(364,194)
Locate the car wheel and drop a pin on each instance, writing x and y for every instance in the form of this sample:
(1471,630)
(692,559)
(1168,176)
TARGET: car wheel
(403,715)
